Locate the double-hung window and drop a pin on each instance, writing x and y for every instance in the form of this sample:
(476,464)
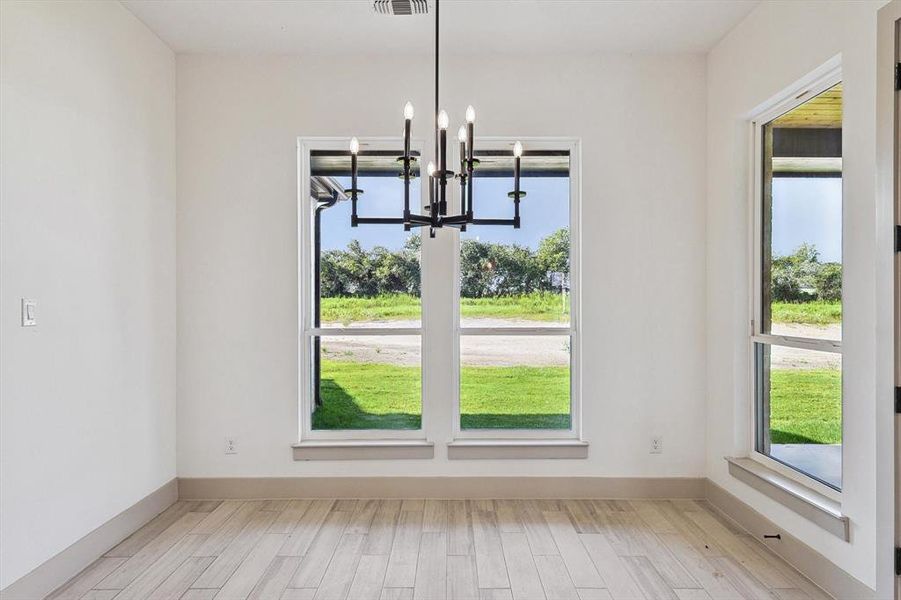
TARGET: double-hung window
(518,298)
(797,285)
(505,322)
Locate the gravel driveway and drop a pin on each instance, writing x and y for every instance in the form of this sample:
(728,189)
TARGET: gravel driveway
(475,350)
(538,351)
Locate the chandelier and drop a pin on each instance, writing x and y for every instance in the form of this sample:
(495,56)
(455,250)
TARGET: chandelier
(440,177)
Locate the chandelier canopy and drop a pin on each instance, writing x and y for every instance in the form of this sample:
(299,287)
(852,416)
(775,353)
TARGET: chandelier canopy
(436,216)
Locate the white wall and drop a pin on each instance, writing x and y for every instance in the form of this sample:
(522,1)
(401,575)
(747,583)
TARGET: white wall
(777,44)
(642,123)
(87,228)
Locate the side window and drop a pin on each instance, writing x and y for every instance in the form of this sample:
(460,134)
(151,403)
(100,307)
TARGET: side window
(798,315)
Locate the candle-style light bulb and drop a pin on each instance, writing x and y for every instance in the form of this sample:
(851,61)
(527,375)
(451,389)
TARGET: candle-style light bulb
(470,114)
(443,120)
(408,110)
(461,134)
(354,145)
(517,149)
(431,168)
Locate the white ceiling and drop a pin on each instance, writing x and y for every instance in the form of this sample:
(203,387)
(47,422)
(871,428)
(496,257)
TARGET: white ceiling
(467,26)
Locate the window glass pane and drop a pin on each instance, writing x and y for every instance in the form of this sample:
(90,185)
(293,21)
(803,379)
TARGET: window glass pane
(514,382)
(802,220)
(367,275)
(518,277)
(800,409)
(367,382)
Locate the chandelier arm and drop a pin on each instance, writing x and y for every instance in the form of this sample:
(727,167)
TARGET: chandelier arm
(437,65)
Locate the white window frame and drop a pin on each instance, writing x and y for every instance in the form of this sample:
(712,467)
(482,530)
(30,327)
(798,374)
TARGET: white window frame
(572,331)
(817,82)
(307,332)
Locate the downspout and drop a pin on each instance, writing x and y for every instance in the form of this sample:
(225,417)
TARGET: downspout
(317,291)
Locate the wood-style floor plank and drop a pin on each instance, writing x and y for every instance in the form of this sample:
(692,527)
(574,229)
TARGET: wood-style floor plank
(198,594)
(405,551)
(507,512)
(181,578)
(363,515)
(369,577)
(150,553)
(575,557)
(139,539)
(87,579)
(414,549)
(747,584)
(594,594)
(380,537)
(648,579)
(555,578)
(148,580)
(218,516)
(390,593)
(490,566)
(221,570)
(220,539)
(459,528)
(461,578)
(611,568)
(700,567)
(307,528)
(287,520)
(340,572)
(431,568)
(524,581)
(315,562)
(540,539)
(434,518)
(250,570)
(275,579)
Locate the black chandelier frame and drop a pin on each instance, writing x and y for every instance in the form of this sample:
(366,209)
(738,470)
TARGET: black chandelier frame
(437,217)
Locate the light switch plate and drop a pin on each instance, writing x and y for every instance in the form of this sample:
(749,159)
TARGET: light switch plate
(29,313)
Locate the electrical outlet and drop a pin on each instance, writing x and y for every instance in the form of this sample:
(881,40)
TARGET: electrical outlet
(231,445)
(657,445)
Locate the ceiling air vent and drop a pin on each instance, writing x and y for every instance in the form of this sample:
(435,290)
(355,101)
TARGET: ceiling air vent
(400,7)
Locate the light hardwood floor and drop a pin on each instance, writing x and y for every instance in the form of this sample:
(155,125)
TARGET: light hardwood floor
(439,549)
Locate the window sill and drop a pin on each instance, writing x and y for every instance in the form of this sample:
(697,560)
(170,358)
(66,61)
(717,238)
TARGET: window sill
(363,450)
(464,449)
(809,503)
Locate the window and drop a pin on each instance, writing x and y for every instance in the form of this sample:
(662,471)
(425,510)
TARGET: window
(366,349)
(361,316)
(797,308)
(517,298)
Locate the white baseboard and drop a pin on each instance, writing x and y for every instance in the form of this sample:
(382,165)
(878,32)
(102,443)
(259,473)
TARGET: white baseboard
(812,564)
(58,570)
(440,487)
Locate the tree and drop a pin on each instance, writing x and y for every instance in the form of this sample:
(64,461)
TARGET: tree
(553,252)
(801,277)
(828,282)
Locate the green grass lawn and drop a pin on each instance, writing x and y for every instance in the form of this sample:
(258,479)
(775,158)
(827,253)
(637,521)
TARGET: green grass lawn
(539,306)
(806,406)
(808,313)
(378,396)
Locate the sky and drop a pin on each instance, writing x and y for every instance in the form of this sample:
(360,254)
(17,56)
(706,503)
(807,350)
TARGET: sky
(544,210)
(804,210)
(808,210)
